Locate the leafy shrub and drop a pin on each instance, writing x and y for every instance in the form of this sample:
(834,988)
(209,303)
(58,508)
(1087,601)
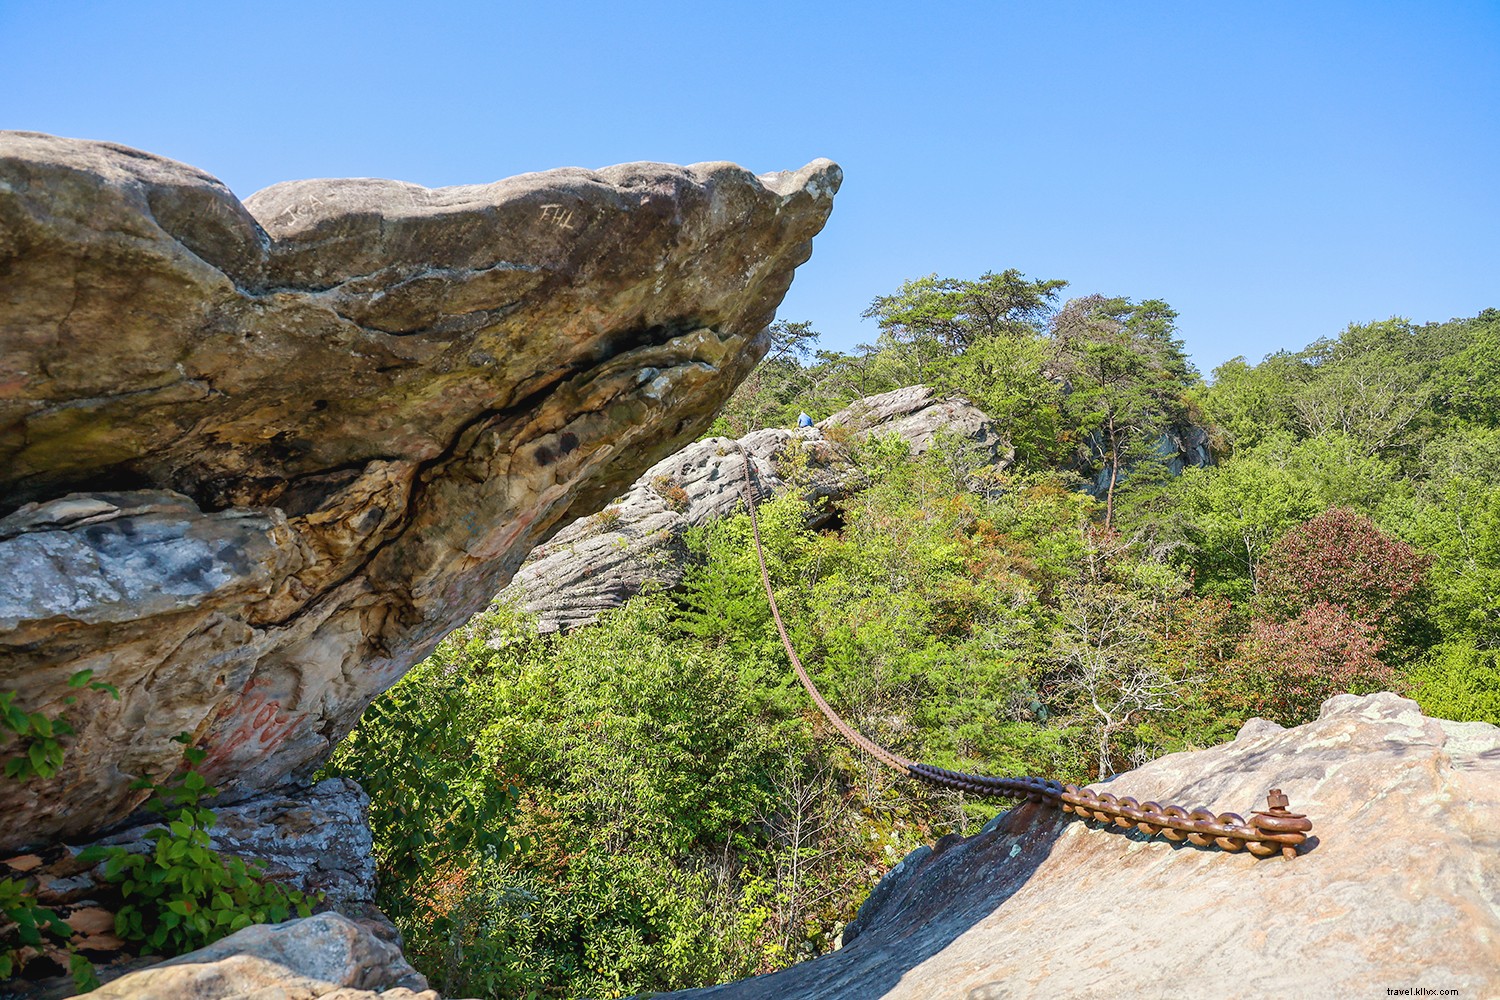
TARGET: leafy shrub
(671,491)
(607,519)
(183,894)
(1456,681)
(1323,651)
(28,926)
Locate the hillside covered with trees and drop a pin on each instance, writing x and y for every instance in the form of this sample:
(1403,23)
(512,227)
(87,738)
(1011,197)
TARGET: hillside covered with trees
(653,803)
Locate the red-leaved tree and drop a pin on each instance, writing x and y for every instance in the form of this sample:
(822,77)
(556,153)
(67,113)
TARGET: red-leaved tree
(1341,558)
(1291,667)
(1338,605)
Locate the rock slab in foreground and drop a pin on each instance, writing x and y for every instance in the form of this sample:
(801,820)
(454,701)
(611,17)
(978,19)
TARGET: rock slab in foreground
(257,459)
(1401,890)
(326,957)
(598,563)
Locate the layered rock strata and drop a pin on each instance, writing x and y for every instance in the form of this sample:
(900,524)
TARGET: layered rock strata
(1401,888)
(257,459)
(636,543)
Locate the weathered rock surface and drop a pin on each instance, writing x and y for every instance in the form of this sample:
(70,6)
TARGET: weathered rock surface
(326,957)
(317,840)
(918,416)
(600,562)
(257,459)
(1402,888)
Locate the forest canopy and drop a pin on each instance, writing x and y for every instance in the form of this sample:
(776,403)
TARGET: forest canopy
(652,803)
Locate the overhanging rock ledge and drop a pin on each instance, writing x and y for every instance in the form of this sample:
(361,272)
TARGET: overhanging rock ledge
(257,459)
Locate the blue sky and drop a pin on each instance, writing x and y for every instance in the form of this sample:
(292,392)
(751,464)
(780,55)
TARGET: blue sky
(1275,171)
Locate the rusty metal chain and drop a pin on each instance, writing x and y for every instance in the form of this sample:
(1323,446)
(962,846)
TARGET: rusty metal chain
(1271,831)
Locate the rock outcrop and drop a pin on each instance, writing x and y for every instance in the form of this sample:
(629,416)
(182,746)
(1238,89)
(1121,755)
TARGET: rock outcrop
(326,957)
(922,419)
(318,842)
(257,459)
(600,562)
(1401,889)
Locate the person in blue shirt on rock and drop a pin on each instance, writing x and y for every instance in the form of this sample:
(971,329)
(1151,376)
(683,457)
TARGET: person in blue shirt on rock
(804,421)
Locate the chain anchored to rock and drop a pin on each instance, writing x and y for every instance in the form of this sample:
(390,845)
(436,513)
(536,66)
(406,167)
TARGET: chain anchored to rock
(1268,832)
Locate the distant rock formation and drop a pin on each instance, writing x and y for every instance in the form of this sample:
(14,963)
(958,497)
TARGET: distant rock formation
(257,459)
(600,562)
(1401,889)
(921,418)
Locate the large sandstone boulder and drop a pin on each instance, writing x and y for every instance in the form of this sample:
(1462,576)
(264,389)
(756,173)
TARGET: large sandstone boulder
(1400,890)
(257,459)
(326,957)
(636,543)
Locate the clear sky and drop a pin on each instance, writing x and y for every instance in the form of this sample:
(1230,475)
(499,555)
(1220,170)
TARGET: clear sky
(1274,171)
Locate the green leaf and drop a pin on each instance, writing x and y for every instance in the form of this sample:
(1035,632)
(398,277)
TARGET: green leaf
(82,970)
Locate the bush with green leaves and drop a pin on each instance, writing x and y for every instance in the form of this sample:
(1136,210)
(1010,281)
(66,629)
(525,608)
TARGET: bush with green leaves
(182,894)
(29,926)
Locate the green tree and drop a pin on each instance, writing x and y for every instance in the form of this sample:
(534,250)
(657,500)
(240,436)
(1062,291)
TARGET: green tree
(780,385)
(1232,515)
(1457,681)
(1467,381)
(1126,378)
(1246,404)
(1371,384)
(436,803)
(956,314)
(1008,378)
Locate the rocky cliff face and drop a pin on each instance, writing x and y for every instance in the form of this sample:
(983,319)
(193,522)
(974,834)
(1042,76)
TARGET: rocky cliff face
(635,543)
(257,459)
(1401,888)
